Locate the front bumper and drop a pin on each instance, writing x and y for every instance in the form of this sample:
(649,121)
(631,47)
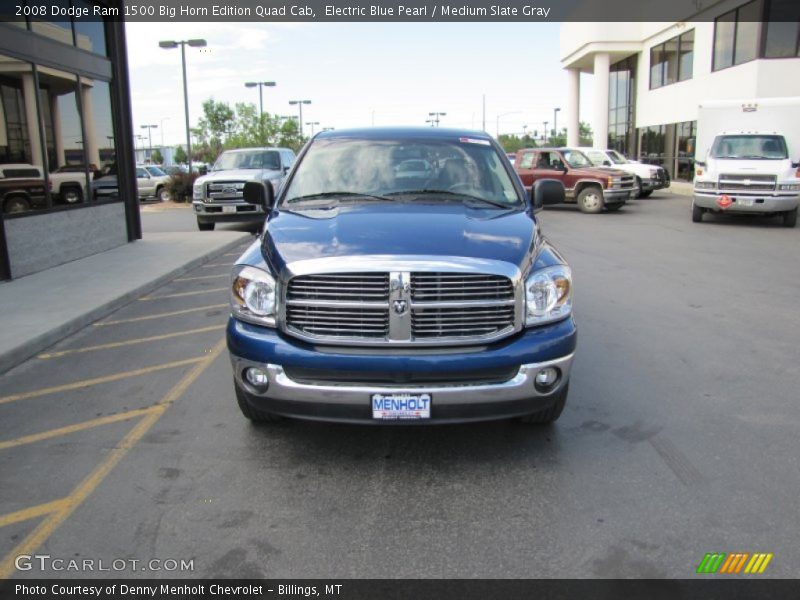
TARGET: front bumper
(214,212)
(767,202)
(526,353)
(649,185)
(612,196)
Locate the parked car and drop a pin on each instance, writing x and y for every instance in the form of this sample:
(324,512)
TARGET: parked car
(372,298)
(68,183)
(22,188)
(414,167)
(218,196)
(754,168)
(512,157)
(592,188)
(649,178)
(151,182)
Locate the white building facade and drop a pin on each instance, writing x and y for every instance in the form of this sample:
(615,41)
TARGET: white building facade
(650,78)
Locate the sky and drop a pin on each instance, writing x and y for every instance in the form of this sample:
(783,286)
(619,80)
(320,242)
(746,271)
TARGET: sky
(355,74)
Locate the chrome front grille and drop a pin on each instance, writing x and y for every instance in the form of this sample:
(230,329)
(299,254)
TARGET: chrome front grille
(626,182)
(752,183)
(225,191)
(401,307)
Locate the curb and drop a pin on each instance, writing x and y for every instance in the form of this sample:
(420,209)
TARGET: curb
(32,347)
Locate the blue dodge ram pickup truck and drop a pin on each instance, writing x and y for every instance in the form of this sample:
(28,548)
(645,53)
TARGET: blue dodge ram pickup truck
(383,294)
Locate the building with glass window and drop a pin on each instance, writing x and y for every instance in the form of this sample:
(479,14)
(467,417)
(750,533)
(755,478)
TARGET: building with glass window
(67,189)
(650,78)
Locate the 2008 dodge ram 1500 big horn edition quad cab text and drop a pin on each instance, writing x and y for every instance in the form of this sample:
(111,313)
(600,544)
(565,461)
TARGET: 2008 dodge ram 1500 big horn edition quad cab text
(217,197)
(375,297)
(593,188)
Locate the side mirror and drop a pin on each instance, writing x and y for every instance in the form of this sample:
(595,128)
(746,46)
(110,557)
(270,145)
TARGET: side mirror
(286,169)
(796,165)
(259,194)
(546,191)
(606,163)
(203,170)
(700,163)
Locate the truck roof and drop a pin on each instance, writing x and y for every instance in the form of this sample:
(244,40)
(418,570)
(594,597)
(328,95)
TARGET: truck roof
(402,133)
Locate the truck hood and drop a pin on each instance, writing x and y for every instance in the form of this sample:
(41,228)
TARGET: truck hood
(240,175)
(399,229)
(778,167)
(595,172)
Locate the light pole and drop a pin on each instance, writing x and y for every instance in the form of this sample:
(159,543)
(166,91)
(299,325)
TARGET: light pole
(544,133)
(169,45)
(555,121)
(436,116)
(312,123)
(261,85)
(162,131)
(150,137)
(497,123)
(431,121)
(300,105)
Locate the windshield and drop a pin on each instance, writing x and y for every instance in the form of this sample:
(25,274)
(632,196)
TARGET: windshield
(254,159)
(155,171)
(768,147)
(597,157)
(576,159)
(617,157)
(461,168)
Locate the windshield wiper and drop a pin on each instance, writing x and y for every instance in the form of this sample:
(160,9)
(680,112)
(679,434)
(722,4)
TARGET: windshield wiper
(450,193)
(324,195)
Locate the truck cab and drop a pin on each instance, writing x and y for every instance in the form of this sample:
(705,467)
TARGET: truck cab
(592,188)
(379,297)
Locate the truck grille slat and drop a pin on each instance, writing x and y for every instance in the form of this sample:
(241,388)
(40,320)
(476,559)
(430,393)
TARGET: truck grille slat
(361,306)
(753,183)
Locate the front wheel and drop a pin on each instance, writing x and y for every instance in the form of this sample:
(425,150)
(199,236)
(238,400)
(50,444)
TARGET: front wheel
(790,218)
(645,194)
(163,194)
(697,213)
(614,207)
(72,195)
(590,200)
(205,225)
(551,414)
(16,204)
(639,191)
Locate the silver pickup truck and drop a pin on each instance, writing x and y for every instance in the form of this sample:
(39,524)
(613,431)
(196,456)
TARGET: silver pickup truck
(218,196)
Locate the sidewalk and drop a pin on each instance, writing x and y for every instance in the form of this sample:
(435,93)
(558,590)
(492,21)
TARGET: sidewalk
(43,308)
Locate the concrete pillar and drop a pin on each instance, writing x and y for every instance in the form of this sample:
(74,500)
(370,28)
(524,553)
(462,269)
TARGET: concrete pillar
(573,107)
(601,80)
(32,118)
(90,143)
(58,134)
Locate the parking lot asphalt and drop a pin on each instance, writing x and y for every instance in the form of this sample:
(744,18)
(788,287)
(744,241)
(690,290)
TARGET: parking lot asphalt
(679,438)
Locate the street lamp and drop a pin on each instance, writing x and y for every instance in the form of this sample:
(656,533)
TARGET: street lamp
(162,131)
(150,137)
(555,121)
(261,85)
(312,123)
(436,116)
(300,104)
(170,45)
(544,133)
(497,123)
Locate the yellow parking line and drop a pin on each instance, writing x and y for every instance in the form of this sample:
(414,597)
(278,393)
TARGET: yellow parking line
(161,315)
(46,528)
(152,338)
(182,294)
(61,431)
(202,277)
(32,512)
(212,265)
(232,254)
(76,385)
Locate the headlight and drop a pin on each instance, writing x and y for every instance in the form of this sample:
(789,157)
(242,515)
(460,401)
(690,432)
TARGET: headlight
(705,185)
(197,191)
(548,295)
(789,187)
(253,293)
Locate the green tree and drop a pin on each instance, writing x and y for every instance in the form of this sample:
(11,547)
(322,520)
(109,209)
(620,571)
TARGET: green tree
(585,134)
(560,139)
(156,157)
(180,155)
(513,143)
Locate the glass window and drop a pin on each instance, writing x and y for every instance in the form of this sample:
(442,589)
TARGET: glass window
(657,66)
(724,31)
(747,30)
(782,39)
(100,144)
(90,33)
(55,27)
(686,65)
(527,160)
(671,61)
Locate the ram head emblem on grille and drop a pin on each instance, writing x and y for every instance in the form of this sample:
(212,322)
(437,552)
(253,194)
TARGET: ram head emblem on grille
(400,306)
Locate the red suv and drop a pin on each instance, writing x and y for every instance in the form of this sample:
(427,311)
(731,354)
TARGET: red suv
(592,188)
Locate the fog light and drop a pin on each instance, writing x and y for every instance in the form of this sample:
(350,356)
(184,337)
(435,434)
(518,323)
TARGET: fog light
(258,378)
(546,378)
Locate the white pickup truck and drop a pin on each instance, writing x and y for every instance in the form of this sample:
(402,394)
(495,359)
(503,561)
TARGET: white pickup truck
(649,178)
(747,158)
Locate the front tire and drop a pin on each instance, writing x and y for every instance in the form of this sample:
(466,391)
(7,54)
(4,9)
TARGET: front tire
(790,218)
(253,414)
(205,225)
(16,204)
(551,414)
(697,213)
(640,193)
(590,200)
(72,195)
(614,207)
(645,194)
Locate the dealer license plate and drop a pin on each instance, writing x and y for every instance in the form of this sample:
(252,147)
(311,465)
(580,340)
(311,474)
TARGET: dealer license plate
(401,406)
(744,201)
(229,209)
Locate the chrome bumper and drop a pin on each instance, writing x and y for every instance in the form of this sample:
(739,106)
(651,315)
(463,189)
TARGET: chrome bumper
(766,202)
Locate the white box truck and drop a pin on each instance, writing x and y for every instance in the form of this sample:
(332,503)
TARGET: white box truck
(746,158)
